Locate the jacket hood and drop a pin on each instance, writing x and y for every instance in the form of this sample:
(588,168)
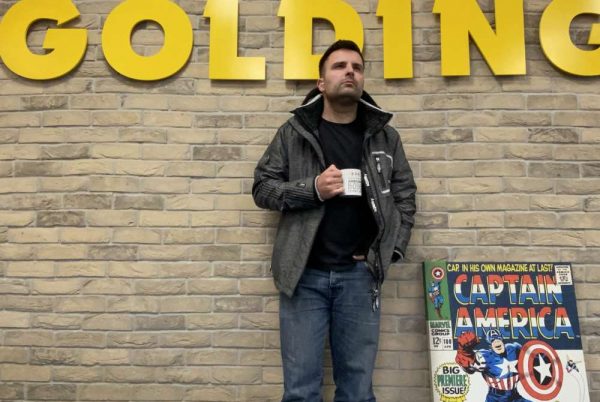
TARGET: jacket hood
(311,110)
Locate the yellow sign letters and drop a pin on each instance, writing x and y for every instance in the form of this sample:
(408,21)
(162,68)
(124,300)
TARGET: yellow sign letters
(67,46)
(461,21)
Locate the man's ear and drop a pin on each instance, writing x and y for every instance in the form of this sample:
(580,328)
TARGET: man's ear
(321,84)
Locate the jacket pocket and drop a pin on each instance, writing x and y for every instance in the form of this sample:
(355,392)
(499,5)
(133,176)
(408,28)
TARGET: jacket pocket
(384,164)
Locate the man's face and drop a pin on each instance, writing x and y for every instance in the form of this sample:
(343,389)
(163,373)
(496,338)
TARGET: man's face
(343,77)
(498,346)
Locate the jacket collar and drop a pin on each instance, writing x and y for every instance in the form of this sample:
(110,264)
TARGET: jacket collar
(311,110)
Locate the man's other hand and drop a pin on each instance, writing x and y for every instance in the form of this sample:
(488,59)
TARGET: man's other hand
(330,183)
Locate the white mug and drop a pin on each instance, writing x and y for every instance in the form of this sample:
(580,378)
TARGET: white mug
(352,182)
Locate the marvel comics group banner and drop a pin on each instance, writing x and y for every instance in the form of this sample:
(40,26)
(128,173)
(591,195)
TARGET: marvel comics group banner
(503,332)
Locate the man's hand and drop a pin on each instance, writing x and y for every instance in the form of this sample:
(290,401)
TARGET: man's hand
(465,355)
(330,183)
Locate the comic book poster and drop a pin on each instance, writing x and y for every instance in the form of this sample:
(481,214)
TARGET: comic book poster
(502,332)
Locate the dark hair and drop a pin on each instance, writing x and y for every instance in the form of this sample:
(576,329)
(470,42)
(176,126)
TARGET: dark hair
(337,45)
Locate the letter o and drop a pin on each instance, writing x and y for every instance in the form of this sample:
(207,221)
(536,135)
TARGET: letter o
(116,39)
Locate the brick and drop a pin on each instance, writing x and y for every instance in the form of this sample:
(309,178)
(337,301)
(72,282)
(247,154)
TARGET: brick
(165,185)
(162,287)
(74,151)
(13,355)
(189,202)
(216,253)
(475,185)
(114,184)
(63,184)
(27,338)
(499,134)
(66,118)
(143,135)
(140,168)
(66,218)
(135,269)
(22,372)
(55,356)
(166,152)
(530,219)
(107,286)
(132,304)
(132,340)
(187,375)
(87,201)
(15,219)
(125,151)
(130,374)
(57,287)
(115,253)
(579,220)
(189,236)
(217,153)
(111,218)
(77,374)
(556,202)
(474,152)
(529,151)
(499,169)
(168,119)
(185,304)
(26,303)
(476,219)
(553,102)
(13,319)
(553,170)
(492,202)
(104,357)
(79,339)
(159,357)
(85,235)
(186,340)
(135,235)
(576,119)
(447,169)
(36,168)
(560,239)
(12,391)
(440,238)
(108,322)
(115,118)
(79,304)
(52,392)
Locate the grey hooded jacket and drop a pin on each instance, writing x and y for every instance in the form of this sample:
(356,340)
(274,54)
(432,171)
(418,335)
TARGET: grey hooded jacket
(284,180)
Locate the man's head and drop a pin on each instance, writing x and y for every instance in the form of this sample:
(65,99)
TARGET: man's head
(341,72)
(494,338)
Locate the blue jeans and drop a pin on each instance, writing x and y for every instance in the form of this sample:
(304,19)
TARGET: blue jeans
(339,303)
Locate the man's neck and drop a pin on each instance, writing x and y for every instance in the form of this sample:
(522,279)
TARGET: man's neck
(337,113)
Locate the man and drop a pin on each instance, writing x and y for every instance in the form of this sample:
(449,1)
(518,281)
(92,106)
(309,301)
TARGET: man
(497,365)
(331,252)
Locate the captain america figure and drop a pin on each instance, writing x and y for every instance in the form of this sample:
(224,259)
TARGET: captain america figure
(497,365)
(436,297)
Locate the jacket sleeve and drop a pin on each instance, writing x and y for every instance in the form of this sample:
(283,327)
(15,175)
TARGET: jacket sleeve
(403,190)
(272,188)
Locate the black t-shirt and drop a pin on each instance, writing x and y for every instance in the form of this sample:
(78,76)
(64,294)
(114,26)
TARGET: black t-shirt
(348,226)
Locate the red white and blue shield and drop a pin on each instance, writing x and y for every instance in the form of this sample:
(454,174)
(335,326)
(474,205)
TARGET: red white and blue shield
(540,370)
(438,273)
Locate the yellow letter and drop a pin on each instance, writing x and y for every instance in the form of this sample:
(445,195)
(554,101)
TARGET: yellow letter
(299,63)
(556,40)
(224,62)
(116,39)
(503,50)
(66,46)
(397,38)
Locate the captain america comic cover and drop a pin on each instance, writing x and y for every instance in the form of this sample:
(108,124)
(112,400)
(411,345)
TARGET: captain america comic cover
(503,332)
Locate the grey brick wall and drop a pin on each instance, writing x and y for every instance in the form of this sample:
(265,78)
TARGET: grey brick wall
(135,266)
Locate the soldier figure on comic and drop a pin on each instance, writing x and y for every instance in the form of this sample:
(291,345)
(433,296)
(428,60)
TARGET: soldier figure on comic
(497,365)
